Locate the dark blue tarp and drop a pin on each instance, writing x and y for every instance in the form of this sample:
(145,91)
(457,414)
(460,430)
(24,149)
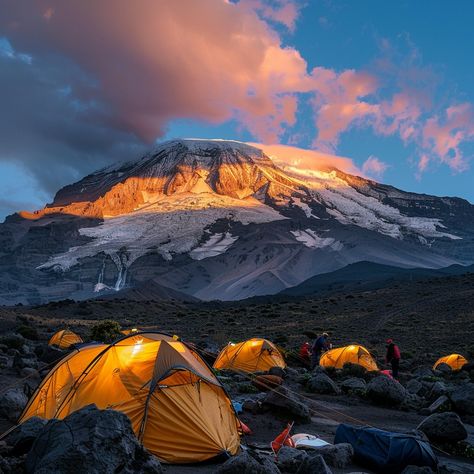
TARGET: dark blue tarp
(384,451)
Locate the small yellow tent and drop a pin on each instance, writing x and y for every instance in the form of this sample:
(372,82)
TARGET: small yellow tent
(127,332)
(64,339)
(455,361)
(177,407)
(254,355)
(353,354)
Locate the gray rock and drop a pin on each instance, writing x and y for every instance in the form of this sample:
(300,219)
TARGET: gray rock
(417,470)
(443,427)
(453,468)
(244,463)
(12,403)
(93,441)
(277,371)
(321,383)
(12,465)
(5,361)
(29,372)
(23,436)
(20,362)
(314,465)
(336,455)
(281,400)
(354,385)
(437,390)
(463,399)
(291,459)
(412,402)
(423,371)
(439,405)
(415,386)
(385,391)
(444,368)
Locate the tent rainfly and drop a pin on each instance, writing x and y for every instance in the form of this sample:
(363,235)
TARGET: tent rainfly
(64,339)
(455,361)
(353,354)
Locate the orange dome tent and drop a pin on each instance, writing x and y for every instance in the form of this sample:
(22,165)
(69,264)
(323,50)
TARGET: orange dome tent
(127,332)
(64,339)
(455,361)
(353,354)
(254,355)
(177,407)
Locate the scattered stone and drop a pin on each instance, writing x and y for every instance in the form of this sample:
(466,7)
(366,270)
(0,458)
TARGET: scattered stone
(418,470)
(354,385)
(437,390)
(423,371)
(278,371)
(314,465)
(23,436)
(412,402)
(439,405)
(443,427)
(244,463)
(266,382)
(20,361)
(12,465)
(12,403)
(281,400)
(29,372)
(385,391)
(463,399)
(415,386)
(321,383)
(93,441)
(291,459)
(336,455)
(444,368)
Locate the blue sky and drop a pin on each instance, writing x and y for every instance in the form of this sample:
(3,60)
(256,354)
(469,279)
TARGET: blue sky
(72,105)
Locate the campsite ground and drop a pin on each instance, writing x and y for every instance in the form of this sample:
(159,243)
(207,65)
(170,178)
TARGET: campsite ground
(428,319)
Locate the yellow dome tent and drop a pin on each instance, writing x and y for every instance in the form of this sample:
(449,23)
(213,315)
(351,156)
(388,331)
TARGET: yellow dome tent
(64,339)
(254,355)
(127,332)
(177,407)
(353,354)
(455,361)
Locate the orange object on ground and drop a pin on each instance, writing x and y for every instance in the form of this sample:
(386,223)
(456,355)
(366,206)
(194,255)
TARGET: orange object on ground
(387,372)
(177,407)
(455,361)
(283,439)
(245,428)
(353,354)
(254,355)
(64,339)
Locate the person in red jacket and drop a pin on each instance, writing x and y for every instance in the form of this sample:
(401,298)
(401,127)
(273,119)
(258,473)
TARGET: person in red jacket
(305,351)
(393,357)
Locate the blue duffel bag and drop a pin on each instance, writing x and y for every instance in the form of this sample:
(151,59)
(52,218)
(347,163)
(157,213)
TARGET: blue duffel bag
(384,451)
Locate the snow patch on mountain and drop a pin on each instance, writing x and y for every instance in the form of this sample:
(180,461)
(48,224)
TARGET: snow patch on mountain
(216,245)
(304,207)
(310,239)
(170,225)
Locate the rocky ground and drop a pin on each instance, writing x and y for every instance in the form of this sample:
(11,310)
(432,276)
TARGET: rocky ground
(428,319)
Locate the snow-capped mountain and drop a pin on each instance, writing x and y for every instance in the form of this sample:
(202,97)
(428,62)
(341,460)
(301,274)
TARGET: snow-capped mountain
(218,219)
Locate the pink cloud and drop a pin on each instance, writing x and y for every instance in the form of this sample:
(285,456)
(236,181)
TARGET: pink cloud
(444,136)
(372,166)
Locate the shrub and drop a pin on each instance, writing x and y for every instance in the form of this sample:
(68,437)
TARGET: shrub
(28,332)
(12,341)
(354,370)
(106,331)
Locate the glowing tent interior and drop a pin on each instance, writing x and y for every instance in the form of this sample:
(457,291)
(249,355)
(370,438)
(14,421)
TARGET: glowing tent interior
(353,354)
(64,339)
(254,355)
(455,361)
(177,407)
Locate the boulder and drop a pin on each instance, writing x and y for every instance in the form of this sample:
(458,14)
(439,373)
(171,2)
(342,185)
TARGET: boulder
(415,386)
(21,361)
(336,455)
(412,402)
(453,468)
(354,385)
(385,391)
(423,371)
(314,465)
(284,402)
(244,463)
(437,390)
(93,441)
(321,383)
(12,403)
(266,382)
(291,459)
(442,427)
(23,436)
(463,399)
(444,368)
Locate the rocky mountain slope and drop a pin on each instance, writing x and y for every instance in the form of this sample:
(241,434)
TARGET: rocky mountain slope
(219,220)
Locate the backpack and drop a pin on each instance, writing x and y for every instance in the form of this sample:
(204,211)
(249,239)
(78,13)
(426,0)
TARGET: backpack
(396,352)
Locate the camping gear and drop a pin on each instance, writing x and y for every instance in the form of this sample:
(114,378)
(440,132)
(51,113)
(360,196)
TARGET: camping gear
(353,354)
(455,361)
(387,372)
(267,382)
(237,407)
(177,407)
(385,451)
(308,441)
(245,429)
(254,355)
(283,439)
(64,339)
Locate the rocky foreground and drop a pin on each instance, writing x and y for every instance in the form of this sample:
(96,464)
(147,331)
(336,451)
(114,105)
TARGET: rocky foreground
(438,404)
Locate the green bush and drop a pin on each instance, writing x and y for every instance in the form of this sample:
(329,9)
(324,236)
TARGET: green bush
(12,341)
(106,331)
(354,370)
(28,332)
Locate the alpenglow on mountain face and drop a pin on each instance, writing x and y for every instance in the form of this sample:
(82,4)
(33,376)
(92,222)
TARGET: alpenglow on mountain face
(218,219)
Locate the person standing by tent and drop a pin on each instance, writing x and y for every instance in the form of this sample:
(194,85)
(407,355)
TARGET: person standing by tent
(393,357)
(320,345)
